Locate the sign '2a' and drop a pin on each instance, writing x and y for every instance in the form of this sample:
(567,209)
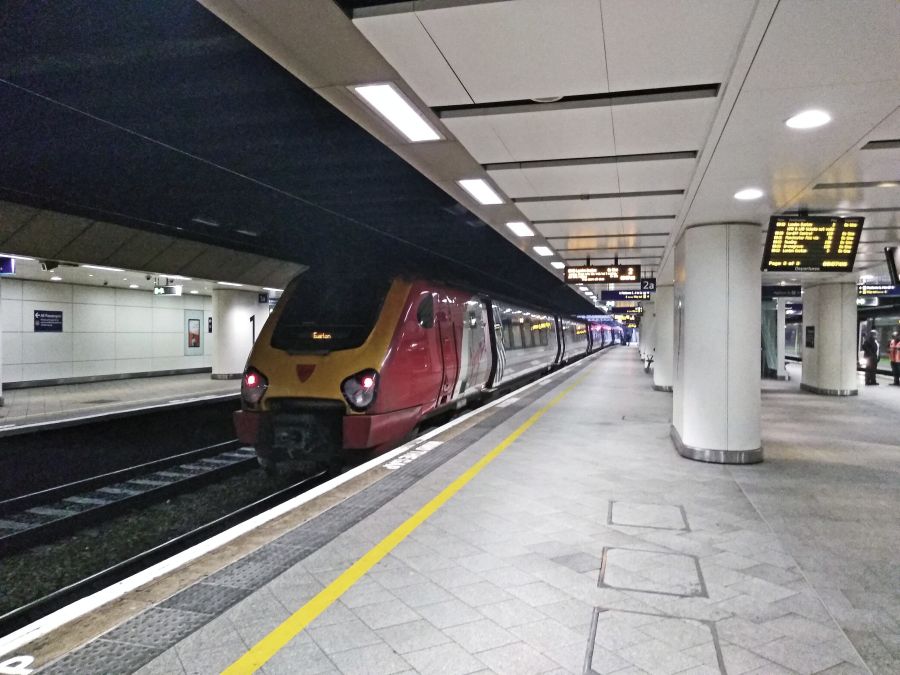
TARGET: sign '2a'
(648,284)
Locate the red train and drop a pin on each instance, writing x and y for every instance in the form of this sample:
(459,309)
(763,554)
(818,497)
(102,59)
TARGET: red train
(356,364)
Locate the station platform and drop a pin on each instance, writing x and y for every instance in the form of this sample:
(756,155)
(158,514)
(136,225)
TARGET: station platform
(556,531)
(42,406)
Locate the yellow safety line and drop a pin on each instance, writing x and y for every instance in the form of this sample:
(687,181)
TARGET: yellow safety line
(272,643)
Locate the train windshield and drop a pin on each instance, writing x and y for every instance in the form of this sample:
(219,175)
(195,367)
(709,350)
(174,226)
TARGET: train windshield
(328,314)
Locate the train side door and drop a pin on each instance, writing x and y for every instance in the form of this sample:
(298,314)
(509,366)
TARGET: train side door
(449,350)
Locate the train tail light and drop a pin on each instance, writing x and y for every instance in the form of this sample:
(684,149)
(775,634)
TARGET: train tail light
(360,389)
(253,386)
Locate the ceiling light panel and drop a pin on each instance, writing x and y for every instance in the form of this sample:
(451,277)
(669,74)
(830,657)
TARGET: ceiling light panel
(520,229)
(543,251)
(558,265)
(388,102)
(748,194)
(483,193)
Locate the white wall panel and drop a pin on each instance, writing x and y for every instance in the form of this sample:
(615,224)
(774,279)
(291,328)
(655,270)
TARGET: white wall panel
(92,319)
(168,320)
(133,345)
(168,344)
(105,331)
(133,320)
(94,295)
(11,313)
(12,348)
(11,289)
(93,346)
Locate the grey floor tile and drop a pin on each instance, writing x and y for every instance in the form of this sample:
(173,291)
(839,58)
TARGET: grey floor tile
(417,595)
(372,660)
(446,659)
(479,594)
(478,636)
(303,657)
(547,634)
(340,637)
(512,612)
(538,593)
(450,613)
(516,659)
(383,614)
(413,636)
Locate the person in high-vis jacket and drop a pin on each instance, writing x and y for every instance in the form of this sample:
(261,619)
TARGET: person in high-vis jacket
(894,352)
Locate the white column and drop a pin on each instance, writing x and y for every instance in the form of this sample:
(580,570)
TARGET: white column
(648,330)
(665,340)
(829,340)
(716,402)
(233,330)
(780,308)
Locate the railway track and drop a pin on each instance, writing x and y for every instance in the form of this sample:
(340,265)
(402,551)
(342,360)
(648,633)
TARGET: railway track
(35,518)
(21,616)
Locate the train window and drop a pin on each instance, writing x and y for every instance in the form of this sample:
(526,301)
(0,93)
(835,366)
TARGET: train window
(425,312)
(328,312)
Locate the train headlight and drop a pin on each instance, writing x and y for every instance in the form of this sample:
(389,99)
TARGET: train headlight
(360,389)
(253,386)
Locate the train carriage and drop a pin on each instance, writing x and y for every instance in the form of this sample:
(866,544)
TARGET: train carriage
(359,363)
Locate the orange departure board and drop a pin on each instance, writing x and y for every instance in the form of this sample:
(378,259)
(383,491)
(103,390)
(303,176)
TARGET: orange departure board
(811,244)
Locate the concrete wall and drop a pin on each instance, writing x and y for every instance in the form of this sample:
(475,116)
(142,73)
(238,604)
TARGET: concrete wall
(106,331)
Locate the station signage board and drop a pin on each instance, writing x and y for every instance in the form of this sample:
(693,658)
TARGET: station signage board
(878,290)
(648,284)
(622,296)
(603,274)
(7,266)
(811,244)
(48,321)
(628,317)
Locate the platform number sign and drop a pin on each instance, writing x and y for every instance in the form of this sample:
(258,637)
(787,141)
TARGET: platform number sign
(17,665)
(648,284)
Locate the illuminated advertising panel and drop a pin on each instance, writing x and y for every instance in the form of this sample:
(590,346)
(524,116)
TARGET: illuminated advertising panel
(602,274)
(811,244)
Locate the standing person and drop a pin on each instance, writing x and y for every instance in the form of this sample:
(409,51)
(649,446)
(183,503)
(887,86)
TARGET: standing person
(894,351)
(870,350)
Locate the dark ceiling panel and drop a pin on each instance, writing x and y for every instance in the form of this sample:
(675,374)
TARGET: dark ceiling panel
(152,114)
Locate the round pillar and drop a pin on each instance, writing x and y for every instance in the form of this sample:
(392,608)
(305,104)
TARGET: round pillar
(829,340)
(716,382)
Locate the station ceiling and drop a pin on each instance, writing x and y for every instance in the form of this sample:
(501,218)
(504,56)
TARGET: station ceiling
(611,125)
(158,116)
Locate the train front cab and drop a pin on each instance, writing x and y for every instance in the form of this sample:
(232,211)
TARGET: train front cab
(357,366)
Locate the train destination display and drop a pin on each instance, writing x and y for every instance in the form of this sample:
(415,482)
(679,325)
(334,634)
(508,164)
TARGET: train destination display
(625,295)
(811,244)
(602,274)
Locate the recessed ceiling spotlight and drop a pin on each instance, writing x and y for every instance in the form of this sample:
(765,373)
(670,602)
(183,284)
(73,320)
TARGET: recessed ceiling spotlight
(176,276)
(808,119)
(229,283)
(274,290)
(543,251)
(55,278)
(748,194)
(388,102)
(481,191)
(520,229)
(889,183)
(559,265)
(194,292)
(133,286)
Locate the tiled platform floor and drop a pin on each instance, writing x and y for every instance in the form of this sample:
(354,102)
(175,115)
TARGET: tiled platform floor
(44,404)
(589,546)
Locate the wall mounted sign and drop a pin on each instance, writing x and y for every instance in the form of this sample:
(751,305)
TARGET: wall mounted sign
(616,296)
(864,290)
(648,284)
(811,337)
(811,244)
(7,266)
(781,292)
(263,298)
(602,274)
(48,321)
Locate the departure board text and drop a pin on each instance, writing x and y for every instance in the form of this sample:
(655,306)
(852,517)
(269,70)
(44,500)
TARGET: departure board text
(811,244)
